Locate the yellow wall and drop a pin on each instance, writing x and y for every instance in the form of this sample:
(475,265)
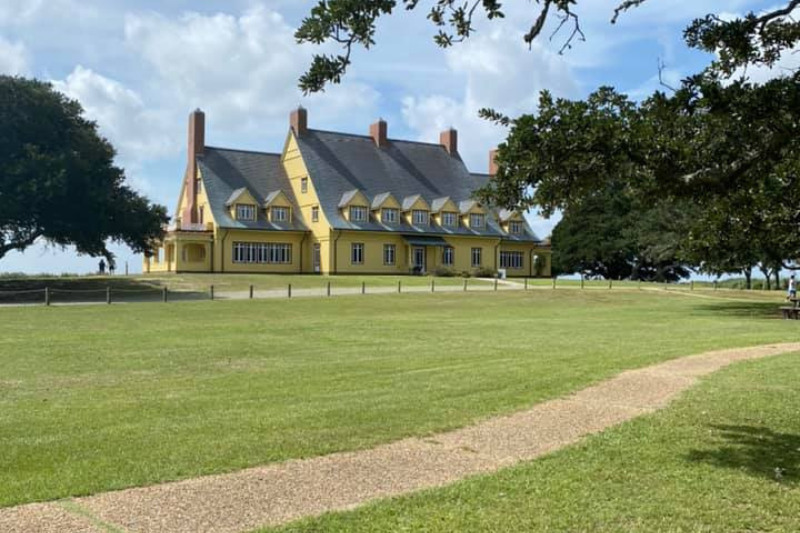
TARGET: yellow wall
(373,252)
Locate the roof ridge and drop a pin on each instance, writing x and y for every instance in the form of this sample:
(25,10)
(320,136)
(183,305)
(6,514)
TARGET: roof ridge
(362,136)
(243,151)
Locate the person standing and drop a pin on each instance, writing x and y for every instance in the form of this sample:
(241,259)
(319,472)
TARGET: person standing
(792,293)
(102,267)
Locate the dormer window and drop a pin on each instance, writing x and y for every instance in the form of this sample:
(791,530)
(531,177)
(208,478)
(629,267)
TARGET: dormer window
(419,217)
(304,185)
(279,214)
(449,219)
(389,216)
(358,213)
(476,220)
(515,227)
(245,212)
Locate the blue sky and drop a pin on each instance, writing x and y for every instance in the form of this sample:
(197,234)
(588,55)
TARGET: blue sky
(140,67)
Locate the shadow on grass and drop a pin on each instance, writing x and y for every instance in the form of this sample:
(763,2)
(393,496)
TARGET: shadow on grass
(759,451)
(90,289)
(739,309)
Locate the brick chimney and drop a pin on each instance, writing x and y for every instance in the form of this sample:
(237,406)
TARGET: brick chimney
(493,162)
(378,132)
(298,120)
(197,147)
(449,139)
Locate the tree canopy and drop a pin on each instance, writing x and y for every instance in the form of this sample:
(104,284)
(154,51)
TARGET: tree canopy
(58,180)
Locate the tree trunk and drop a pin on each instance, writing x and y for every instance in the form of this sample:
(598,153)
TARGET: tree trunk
(748,275)
(767,276)
(777,272)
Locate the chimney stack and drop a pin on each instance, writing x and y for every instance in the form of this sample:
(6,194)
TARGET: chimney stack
(298,120)
(449,139)
(197,134)
(378,132)
(197,147)
(493,162)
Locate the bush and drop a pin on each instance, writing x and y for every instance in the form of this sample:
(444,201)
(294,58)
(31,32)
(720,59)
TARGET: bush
(483,272)
(445,272)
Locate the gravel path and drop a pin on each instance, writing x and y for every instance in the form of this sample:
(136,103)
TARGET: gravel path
(278,493)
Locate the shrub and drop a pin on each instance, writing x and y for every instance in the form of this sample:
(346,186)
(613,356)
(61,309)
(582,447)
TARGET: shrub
(445,272)
(483,272)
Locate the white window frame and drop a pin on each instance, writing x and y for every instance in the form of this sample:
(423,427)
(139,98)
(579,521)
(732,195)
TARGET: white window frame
(273,253)
(358,213)
(389,219)
(357,253)
(279,209)
(512,260)
(303,185)
(479,252)
(477,217)
(389,254)
(420,217)
(515,226)
(315,213)
(448,256)
(245,212)
(449,219)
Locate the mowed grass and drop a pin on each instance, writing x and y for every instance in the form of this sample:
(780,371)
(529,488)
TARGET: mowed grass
(725,457)
(94,398)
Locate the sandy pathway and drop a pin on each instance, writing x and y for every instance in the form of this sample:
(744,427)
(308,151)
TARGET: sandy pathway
(276,494)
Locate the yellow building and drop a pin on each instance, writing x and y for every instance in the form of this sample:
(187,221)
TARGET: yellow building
(337,203)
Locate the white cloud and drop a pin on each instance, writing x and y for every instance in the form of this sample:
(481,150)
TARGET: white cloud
(498,71)
(13,58)
(138,132)
(26,12)
(242,70)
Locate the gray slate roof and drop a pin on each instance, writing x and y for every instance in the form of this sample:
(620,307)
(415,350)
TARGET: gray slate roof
(225,171)
(339,162)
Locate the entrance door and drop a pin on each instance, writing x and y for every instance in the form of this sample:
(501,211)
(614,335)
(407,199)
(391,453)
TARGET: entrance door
(317,258)
(419,258)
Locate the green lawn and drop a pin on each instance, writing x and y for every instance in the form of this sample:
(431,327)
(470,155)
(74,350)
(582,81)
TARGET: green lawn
(725,457)
(94,398)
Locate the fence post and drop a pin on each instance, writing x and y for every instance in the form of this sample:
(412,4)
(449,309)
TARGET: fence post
(251,292)
(465,284)
(47,296)
(108,295)
(363,287)
(399,286)
(495,283)
(554,283)
(609,283)
(581,281)
(164,295)
(329,288)
(640,285)
(691,285)
(211,292)
(433,285)
(289,291)
(715,284)
(526,284)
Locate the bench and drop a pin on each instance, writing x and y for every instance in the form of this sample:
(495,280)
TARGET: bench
(790,312)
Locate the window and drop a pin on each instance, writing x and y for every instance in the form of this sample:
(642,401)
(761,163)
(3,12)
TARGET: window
(476,221)
(315,214)
(515,227)
(449,219)
(304,185)
(201,213)
(261,252)
(358,213)
(389,215)
(280,214)
(245,212)
(199,185)
(389,254)
(512,260)
(448,255)
(419,217)
(357,253)
(476,257)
